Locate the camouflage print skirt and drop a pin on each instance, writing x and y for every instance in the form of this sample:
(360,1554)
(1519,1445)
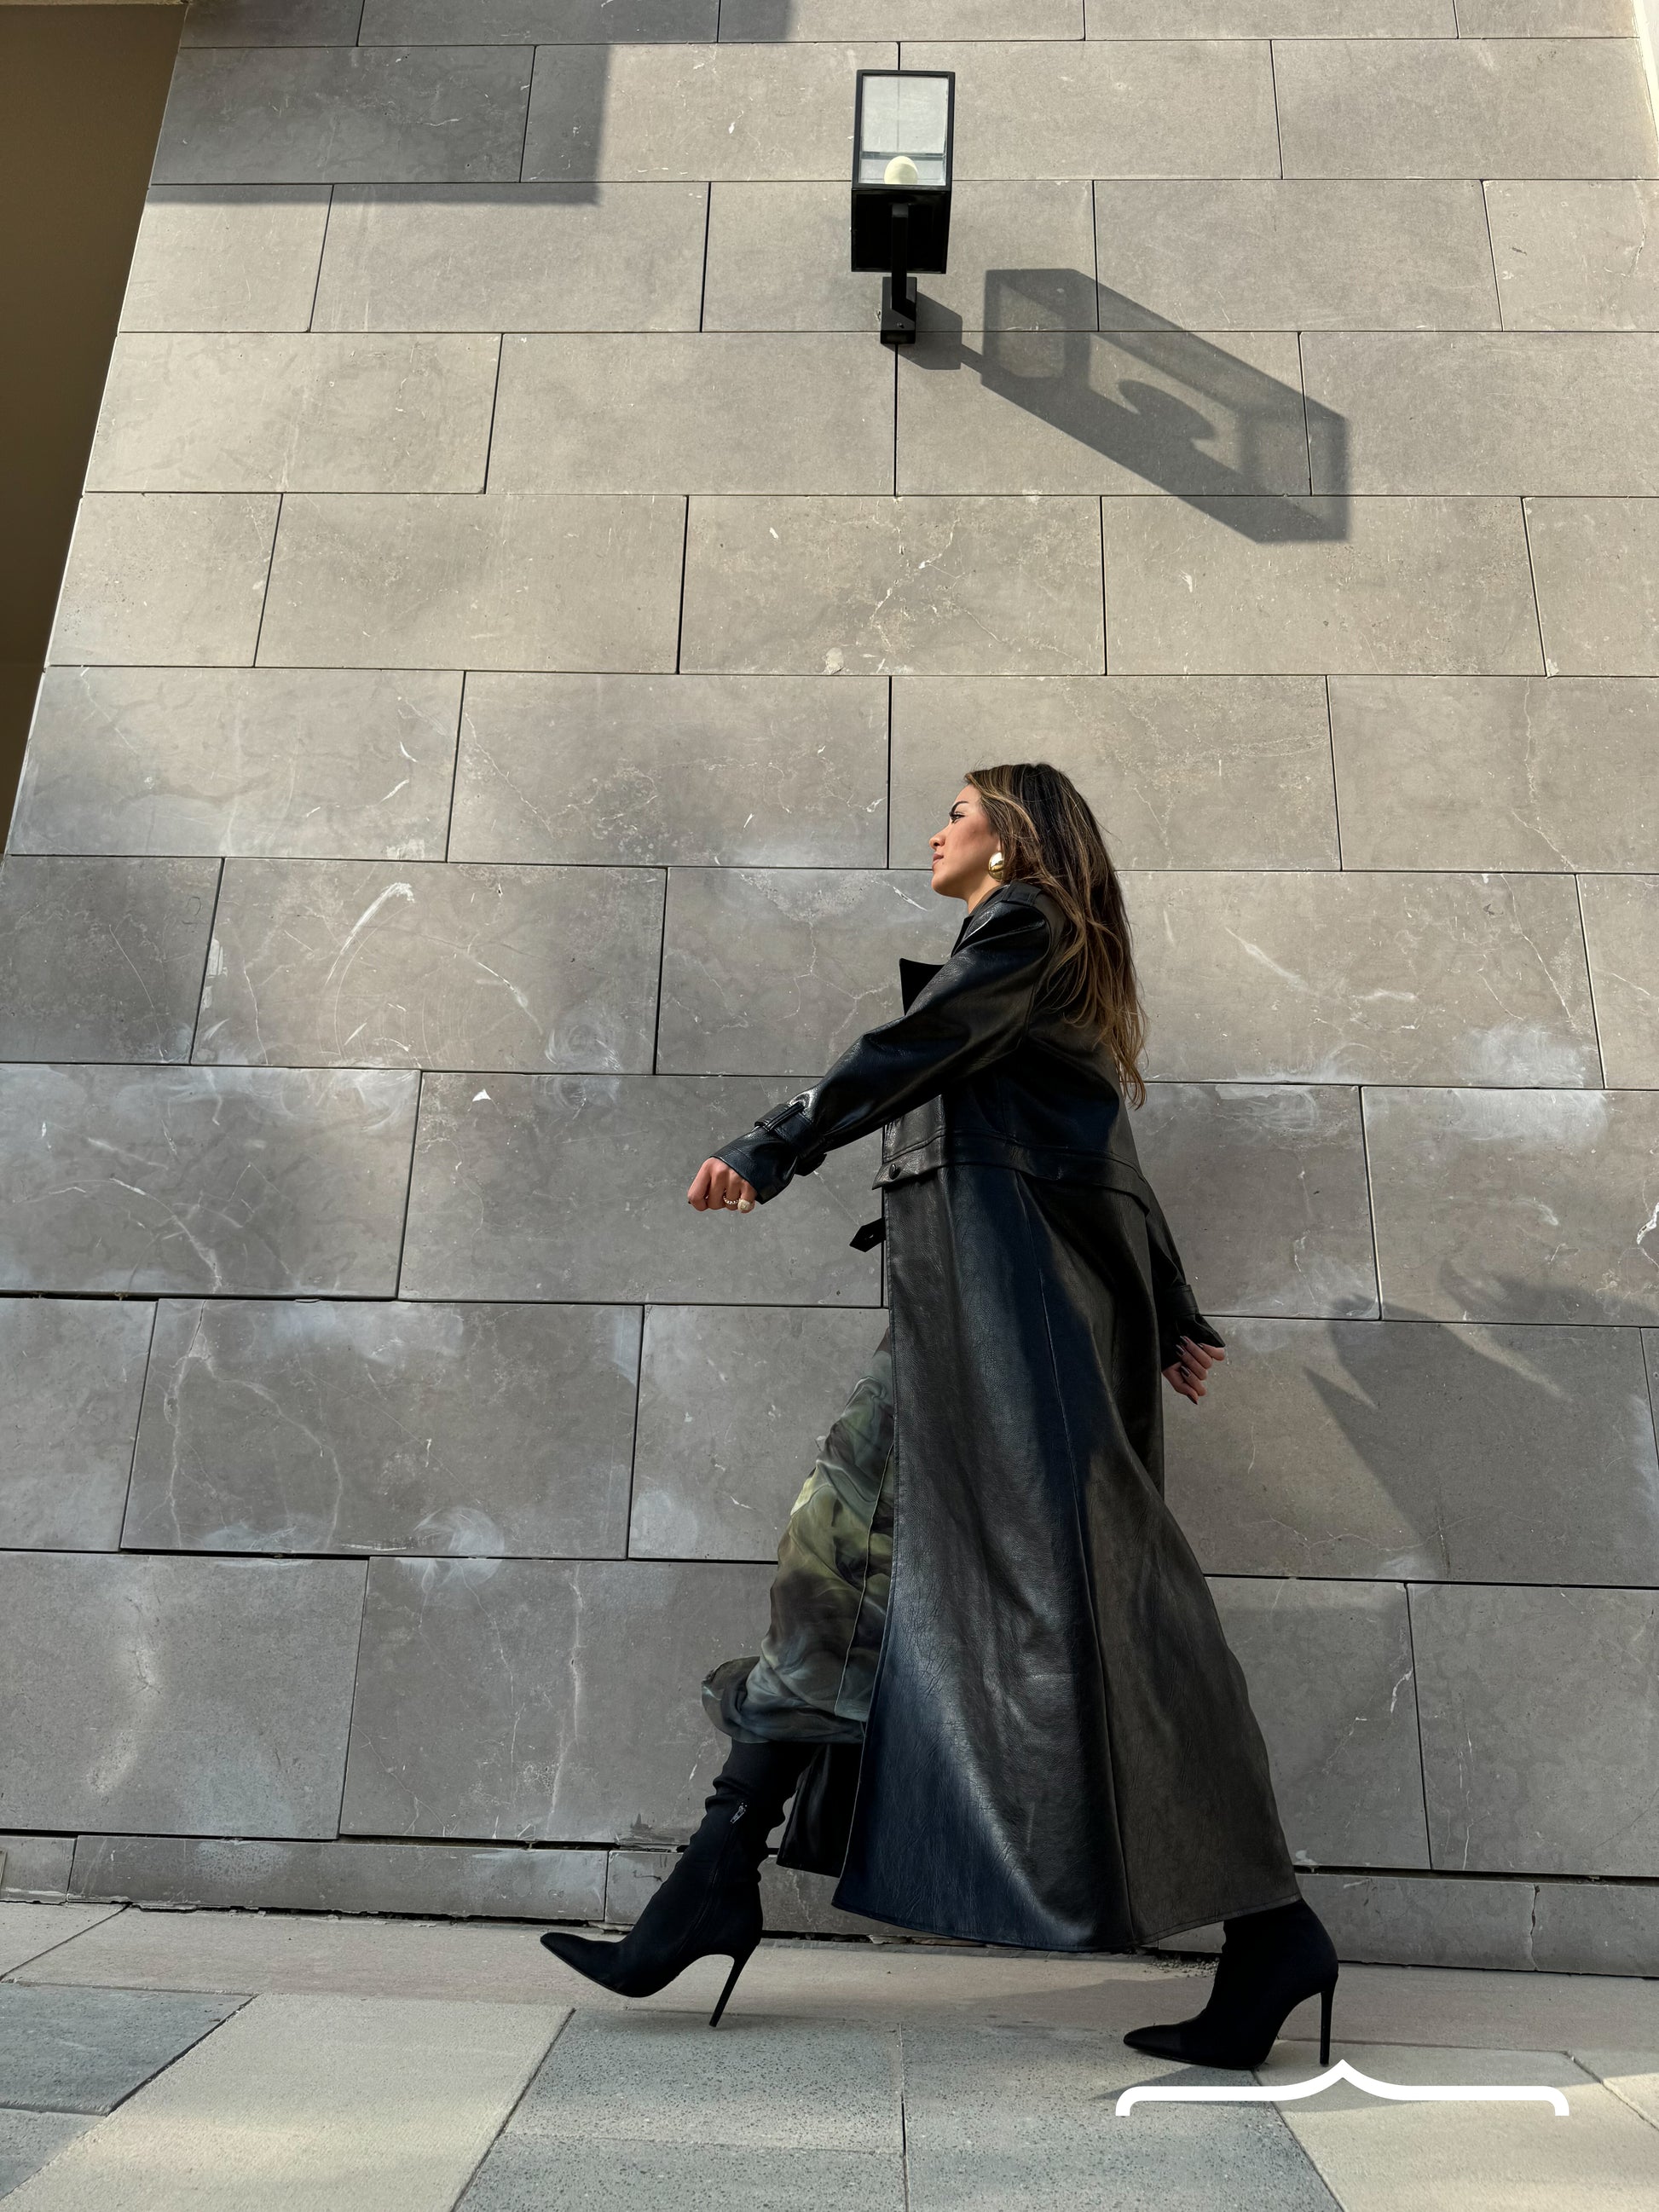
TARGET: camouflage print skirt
(817,1666)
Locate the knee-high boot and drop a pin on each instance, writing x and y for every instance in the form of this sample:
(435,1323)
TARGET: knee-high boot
(1269,1962)
(710,1905)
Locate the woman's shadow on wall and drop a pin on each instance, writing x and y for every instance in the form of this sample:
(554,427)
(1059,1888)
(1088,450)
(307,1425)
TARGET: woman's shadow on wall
(1168,406)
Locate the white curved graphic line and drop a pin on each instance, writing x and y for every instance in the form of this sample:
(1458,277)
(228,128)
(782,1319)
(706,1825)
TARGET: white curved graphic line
(1401,2092)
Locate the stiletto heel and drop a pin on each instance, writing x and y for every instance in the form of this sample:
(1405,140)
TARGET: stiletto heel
(709,1906)
(738,1964)
(1270,1963)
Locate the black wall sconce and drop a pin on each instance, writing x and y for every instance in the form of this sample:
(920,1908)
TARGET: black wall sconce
(902,126)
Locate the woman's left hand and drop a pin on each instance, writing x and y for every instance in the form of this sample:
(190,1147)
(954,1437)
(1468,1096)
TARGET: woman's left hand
(716,1188)
(1185,1374)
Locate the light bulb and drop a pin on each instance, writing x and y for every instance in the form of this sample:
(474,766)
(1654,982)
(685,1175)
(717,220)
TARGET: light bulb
(901,170)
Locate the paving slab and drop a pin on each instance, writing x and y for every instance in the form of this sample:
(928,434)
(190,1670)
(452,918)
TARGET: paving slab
(522,2175)
(901,19)
(29,2140)
(1473,2156)
(1272,19)
(1632,2076)
(1621,928)
(546,22)
(1022,2118)
(387,2106)
(28,1931)
(1596,563)
(67,2050)
(658,2077)
(271,23)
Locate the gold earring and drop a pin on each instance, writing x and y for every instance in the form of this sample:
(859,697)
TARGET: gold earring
(996,864)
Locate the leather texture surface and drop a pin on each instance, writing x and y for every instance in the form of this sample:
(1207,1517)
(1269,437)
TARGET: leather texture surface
(1060,1752)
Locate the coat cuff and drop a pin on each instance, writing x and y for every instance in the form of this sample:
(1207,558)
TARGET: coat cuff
(771,1154)
(1177,1316)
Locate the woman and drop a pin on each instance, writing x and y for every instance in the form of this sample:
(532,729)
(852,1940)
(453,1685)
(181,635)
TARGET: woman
(995,1685)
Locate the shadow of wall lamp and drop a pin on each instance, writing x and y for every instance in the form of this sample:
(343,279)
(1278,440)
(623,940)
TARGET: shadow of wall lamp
(903,125)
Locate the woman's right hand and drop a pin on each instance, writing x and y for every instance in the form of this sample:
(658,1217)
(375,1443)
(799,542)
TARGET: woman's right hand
(1185,1374)
(716,1188)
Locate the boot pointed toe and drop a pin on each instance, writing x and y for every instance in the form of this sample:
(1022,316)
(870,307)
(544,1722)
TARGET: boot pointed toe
(595,1960)
(1163,2041)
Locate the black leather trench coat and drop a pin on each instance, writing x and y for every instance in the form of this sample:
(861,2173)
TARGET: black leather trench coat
(1060,1752)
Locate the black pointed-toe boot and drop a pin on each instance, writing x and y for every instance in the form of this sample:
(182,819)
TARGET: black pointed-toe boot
(1269,1962)
(709,1906)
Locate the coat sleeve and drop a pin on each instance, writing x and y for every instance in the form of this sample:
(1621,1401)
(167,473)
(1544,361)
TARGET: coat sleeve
(972,1011)
(1173,1296)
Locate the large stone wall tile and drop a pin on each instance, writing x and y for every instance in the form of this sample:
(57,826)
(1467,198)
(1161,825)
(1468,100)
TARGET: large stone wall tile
(369,580)
(1540,1734)
(102,959)
(528,22)
(777,260)
(510,1172)
(1322,976)
(1543,19)
(642,770)
(1391,1448)
(482,1430)
(1570,253)
(317,764)
(735,1402)
(72,1374)
(901,19)
(1424,1919)
(226,258)
(1294,254)
(1264,1185)
(229,1182)
(372,963)
(194,1696)
(764,969)
(525,257)
(166,578)
(1185,107)
(271,23)
(704,412)
(1183,771)
(520,1700)
(1496,771)
(1330,1672)
(1056,411)
(1596,562)
(1360,586)
(1621,928)
(1462,108)
(436,1881)
(333,115)
(1272,19)
(1488,412)
(307,412)
(893,586)
(1597,1928)
(1517,1205)
(37,1867)
(695,111)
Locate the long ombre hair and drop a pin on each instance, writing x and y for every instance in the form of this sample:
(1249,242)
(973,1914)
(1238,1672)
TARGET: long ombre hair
(1050,838)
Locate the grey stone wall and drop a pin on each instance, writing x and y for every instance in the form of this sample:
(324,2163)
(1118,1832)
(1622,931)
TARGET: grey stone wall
(521,631)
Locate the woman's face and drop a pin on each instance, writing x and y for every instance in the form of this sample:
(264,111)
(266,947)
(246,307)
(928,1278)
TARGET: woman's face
(962,847)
